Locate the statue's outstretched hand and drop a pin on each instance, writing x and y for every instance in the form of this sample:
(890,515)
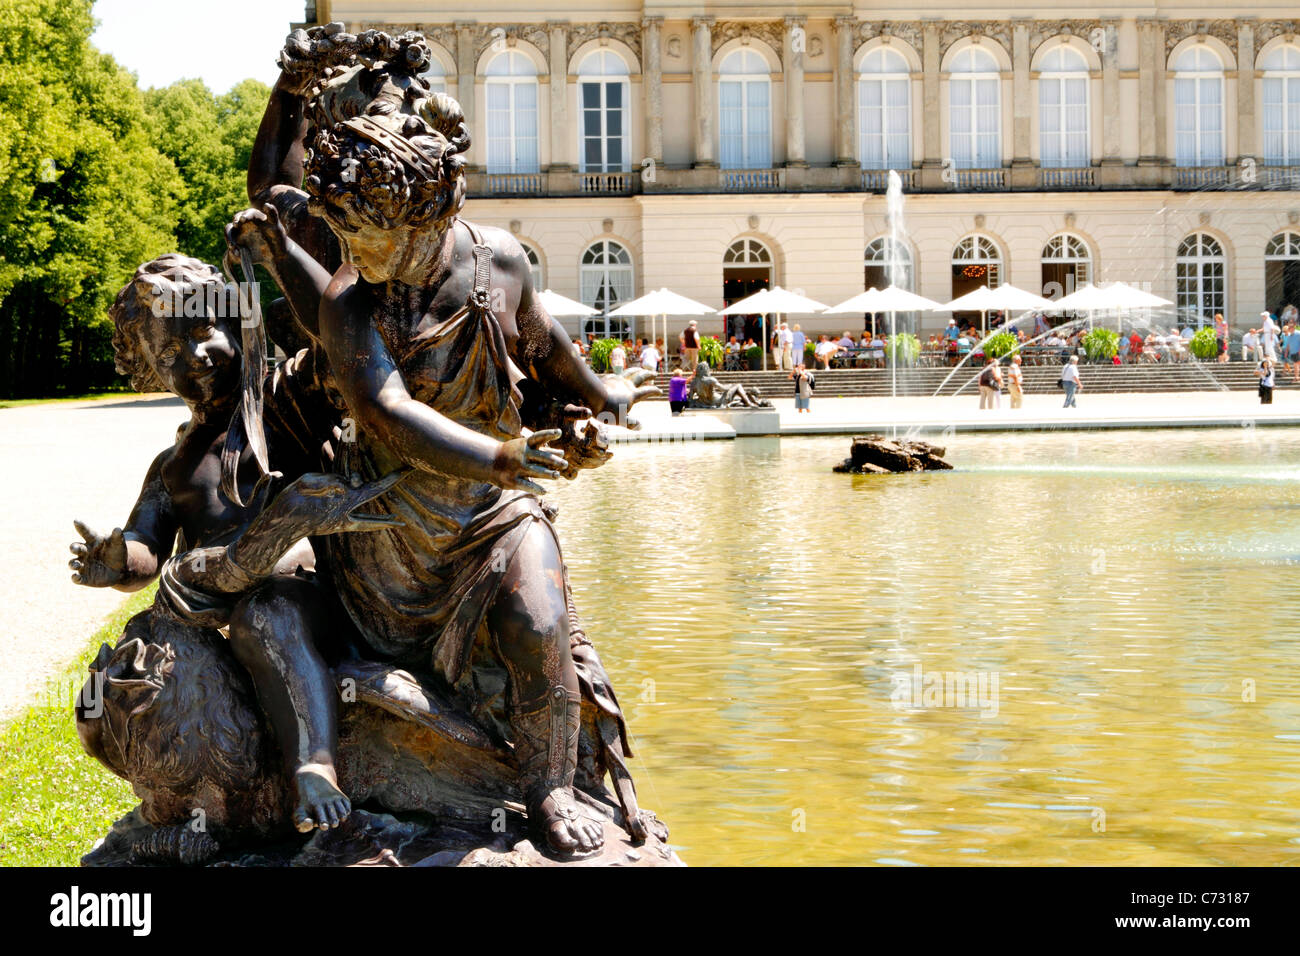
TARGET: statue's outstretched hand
(100,560)
(584,446)
(520,460)
(260,232)
(624,391)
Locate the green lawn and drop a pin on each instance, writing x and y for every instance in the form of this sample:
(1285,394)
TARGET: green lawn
(111,393)
(55,801)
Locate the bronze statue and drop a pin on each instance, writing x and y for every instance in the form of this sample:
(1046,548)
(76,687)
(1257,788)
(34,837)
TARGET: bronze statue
(707,392)
(406,440)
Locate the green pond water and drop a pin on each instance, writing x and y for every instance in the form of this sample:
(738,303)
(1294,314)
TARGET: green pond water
(774,629)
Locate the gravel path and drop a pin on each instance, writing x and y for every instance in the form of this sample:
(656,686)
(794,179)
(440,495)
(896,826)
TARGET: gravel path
(64,460)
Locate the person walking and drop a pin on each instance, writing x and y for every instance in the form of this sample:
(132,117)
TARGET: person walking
(990,385)
(1268,336)
(1221,336)
(1016,382)
(797,343)
(650,358)
(787,346)
(691,345)
(1265,373)
(1071,382)
(804,383)
(678,390)
(775,345)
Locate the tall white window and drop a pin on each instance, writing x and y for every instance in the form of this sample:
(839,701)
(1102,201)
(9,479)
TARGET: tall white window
(974,110)
(534,266)
(745,111)
(1198,108)
(603,101)
(1063,109)
(605,275)
(1202,279)
(884,111)
(1066,265)
(511,88)
(435,76)
(886,263)
(1281,113)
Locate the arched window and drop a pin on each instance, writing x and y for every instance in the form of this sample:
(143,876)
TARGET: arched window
(1198,107)
(605,277)
(1202,279)
(1282,271)
(1067,265)
(1063,109)
(745,111)
(534,266)
(1281,113)
(974,110)
(976,261)
(603,100)
(435,76)
(887,263)
(884,111)
(511,88)
(746,268)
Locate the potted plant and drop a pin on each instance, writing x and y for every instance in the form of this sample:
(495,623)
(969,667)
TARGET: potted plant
(1000,345)
(1101,345)
(1204,344)
(711,351)
(600,352)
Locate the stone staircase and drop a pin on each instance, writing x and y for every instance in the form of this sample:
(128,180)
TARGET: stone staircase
(875,383)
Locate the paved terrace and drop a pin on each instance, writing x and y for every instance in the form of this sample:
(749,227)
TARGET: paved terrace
(835,416)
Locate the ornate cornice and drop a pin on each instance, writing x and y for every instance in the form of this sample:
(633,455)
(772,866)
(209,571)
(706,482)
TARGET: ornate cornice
(907,30)
(1179,30)
(771,32)
(626,33)
(1040,31)
(1266,30)
(956,30)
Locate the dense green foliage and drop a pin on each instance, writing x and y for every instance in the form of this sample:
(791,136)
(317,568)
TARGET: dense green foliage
(599,354)
(1000,344)
(711,351)
(1204,343)
(754,357)
(96,177)
(903,348)
(1100,345)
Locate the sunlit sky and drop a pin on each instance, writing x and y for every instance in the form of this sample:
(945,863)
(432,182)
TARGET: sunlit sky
(219,41)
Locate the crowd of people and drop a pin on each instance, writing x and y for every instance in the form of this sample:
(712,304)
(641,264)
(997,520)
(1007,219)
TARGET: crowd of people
(1274,343)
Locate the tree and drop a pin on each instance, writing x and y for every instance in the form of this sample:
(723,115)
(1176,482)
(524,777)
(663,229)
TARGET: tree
(84,196)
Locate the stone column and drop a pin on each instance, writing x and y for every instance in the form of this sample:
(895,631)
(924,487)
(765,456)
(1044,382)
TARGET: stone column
(931,138)
(702,84)
(652,86)
(845,152)
(1151,90)
(1021,96)
(466,63)
(1110,133)
(562,146)
(796,42)
(1247,131)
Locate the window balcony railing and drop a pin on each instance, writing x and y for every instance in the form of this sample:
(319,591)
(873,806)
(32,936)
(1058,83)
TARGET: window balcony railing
(606,184)
(752,180)
(1059,177)
(877,180)
(975,180)
(1202,177)
(1278,177)
(516,184)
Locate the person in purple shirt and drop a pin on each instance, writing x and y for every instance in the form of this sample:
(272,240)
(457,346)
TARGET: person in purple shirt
(678,389)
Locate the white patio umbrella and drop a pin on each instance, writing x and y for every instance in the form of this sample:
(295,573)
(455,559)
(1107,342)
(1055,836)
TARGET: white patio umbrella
(1116,297)
(891,300)
(558,305)
(663,302)
(1003,298)
(773,301)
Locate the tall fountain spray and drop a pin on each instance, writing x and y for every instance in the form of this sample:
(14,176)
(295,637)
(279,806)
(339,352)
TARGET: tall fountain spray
(895,267)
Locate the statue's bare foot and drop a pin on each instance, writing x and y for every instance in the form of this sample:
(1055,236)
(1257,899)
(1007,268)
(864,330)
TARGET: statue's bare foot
(567,828)
(320,801)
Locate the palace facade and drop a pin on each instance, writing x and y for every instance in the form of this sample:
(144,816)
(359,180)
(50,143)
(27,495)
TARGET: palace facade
(716,147)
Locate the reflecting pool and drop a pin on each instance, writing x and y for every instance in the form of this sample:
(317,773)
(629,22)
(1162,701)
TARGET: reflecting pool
(1120,612)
